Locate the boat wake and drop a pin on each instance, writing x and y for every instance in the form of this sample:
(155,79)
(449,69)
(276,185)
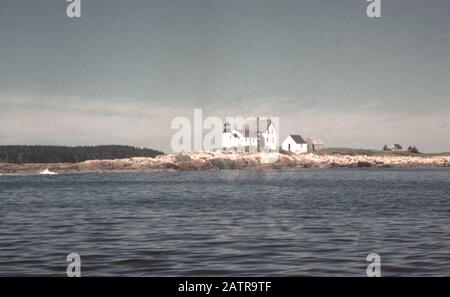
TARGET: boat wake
(47,172)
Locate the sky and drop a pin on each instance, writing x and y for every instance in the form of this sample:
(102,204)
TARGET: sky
(123,71)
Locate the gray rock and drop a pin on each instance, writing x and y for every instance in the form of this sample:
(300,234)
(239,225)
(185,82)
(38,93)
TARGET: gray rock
(183,158)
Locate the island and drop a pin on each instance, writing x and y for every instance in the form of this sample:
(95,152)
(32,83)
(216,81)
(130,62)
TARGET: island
(219,160)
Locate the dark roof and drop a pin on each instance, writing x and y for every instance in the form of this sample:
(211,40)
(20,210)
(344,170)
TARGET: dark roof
(297,138)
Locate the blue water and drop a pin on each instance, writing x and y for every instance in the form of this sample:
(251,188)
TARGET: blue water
(228,223)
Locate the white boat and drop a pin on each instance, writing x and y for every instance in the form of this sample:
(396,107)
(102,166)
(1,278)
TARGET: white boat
(47,172)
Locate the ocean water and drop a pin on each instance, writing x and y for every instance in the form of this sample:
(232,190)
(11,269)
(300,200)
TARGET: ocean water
(306,222)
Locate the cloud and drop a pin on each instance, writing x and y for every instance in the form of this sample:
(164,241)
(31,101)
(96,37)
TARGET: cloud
(78,121)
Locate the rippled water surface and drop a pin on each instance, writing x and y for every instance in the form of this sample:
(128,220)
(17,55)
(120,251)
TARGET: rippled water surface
(222,223)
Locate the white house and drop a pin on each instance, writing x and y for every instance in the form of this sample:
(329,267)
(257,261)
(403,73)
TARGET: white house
(233,139)
(294,143)
(396,147)
(315,144)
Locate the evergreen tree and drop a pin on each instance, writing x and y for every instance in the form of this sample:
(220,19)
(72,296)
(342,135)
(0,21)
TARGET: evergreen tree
(63,154)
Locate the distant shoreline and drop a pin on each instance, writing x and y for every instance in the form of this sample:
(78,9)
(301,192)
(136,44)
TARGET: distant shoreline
(35,154)
(235,161)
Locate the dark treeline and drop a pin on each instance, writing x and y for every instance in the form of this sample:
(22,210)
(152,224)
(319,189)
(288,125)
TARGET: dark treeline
(63,154)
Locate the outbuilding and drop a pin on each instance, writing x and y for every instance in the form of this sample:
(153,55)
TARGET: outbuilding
(315,144)
(396,147)
(294,143)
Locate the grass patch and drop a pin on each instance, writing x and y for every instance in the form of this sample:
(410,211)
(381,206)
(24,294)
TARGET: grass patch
(369,152)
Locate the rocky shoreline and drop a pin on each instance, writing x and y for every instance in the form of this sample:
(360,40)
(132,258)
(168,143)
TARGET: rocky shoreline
(221,160)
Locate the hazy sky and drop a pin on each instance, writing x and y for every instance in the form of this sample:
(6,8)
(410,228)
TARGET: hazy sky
(125,69)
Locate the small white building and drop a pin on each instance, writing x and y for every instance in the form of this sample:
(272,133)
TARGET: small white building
(294,143)
(315,144)
(396,147)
